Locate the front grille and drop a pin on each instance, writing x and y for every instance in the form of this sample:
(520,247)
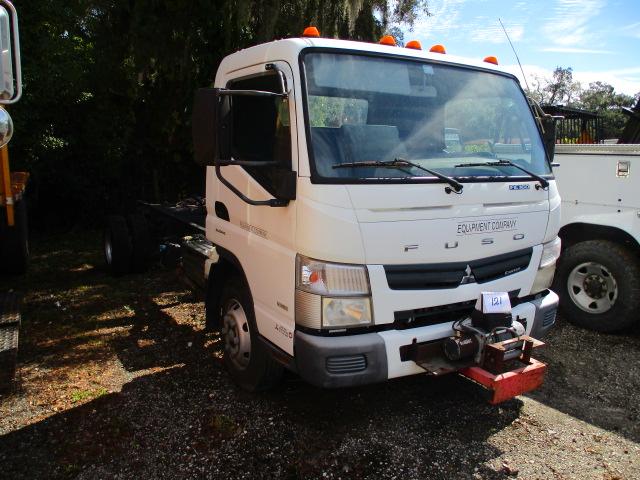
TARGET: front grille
(346,364)
(422,317)
(450,275)
(549,318)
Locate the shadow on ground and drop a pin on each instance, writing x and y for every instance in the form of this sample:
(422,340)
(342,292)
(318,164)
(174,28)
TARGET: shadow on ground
(594,377)
(178,415)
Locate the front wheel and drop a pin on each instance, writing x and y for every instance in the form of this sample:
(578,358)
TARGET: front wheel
(599,285)
(247,361)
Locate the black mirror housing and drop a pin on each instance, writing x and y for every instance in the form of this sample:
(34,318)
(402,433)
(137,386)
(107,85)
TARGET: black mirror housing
(285,184)
(204,125)
(548,123)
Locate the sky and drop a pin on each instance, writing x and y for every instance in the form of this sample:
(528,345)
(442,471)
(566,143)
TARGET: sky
(598,39)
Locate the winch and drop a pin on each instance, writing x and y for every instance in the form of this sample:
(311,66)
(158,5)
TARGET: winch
(489,347)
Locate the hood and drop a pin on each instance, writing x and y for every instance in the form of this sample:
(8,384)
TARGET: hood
(421,223)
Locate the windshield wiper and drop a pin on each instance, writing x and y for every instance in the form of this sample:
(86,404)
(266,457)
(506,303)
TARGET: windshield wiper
(455,186)
(544,183)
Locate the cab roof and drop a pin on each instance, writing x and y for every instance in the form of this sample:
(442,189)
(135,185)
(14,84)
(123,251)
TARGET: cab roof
(289,50)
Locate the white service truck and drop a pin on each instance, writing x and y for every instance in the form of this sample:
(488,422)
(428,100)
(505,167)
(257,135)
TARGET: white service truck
(351,240)
(598,275)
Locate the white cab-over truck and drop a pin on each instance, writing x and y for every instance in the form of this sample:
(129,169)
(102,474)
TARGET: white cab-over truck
(352,239)
(598,276)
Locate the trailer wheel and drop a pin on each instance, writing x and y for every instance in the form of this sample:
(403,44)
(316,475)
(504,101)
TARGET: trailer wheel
(250,366)
(14,243)
(141,244)
(117,245)
(599,285)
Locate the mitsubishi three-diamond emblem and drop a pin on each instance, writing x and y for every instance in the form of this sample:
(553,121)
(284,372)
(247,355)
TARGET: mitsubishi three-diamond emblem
(468,276)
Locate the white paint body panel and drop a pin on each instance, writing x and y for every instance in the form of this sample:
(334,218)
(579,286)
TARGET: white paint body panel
(592,191)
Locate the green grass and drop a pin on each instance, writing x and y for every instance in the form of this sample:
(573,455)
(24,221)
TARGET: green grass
(80,395)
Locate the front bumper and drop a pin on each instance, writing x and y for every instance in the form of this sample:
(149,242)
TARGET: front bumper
(360,359)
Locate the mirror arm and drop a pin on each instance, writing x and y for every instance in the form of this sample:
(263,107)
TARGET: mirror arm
(248,163)
(274,202)
(251,93)
(281,76)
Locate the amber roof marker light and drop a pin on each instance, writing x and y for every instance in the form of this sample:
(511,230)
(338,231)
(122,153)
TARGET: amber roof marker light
(437,48)
(311,32)
(413,44)
(491,59)
(388,40)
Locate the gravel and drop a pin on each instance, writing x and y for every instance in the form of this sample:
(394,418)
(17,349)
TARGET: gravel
(119,380)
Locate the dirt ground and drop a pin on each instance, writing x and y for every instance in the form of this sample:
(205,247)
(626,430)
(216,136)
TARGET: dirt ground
(117,379)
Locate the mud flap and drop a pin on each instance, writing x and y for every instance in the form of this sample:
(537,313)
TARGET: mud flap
(504,386)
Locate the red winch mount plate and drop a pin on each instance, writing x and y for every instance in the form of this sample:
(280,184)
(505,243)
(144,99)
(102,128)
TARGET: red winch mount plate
(504,386)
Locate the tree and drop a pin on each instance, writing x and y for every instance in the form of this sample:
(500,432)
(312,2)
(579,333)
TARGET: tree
(601,98)
(559,89)
(109,85)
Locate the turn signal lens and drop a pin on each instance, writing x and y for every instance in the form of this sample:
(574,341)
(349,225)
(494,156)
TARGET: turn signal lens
(388,40)
(414,44)
(491,59)
(311,32)
(315,276)
(437,49)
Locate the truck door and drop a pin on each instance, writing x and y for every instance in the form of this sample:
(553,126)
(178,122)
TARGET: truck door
(261,237)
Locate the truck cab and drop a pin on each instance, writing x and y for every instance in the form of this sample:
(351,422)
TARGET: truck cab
(355,240)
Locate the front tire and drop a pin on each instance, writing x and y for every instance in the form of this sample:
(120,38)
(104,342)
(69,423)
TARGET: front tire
(599,285)
(247,361)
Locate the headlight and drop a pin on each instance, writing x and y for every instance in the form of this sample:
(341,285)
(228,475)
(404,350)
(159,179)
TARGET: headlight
(332,295)
(344,312)
(547,268)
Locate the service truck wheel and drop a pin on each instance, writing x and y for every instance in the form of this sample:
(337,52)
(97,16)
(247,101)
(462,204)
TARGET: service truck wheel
(599,285)
(117,245)
(14,241)
(248,363)
(141,244)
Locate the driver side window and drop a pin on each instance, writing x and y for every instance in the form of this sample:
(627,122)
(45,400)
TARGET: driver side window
(260,128)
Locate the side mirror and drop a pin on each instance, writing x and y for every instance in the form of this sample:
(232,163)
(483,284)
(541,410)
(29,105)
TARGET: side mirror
(10,80)
(208,121)
(6,127)
(548,124)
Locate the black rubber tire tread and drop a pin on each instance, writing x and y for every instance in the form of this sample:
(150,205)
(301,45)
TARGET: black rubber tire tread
(9,333)
(263,371)
(625,268)
(141,243)
(121,249)
(14,244)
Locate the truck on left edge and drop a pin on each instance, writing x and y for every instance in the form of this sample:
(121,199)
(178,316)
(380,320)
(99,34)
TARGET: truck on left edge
(14,243)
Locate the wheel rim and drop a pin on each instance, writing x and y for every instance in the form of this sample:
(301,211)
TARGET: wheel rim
(108,249)
(592,287)
(236,334)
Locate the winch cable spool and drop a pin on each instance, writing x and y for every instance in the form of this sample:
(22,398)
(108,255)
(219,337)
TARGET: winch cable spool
(457,348)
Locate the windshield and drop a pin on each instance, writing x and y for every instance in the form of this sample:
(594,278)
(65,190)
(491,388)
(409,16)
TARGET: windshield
(378,109)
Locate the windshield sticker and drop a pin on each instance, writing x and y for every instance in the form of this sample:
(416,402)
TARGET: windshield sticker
(486,226)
